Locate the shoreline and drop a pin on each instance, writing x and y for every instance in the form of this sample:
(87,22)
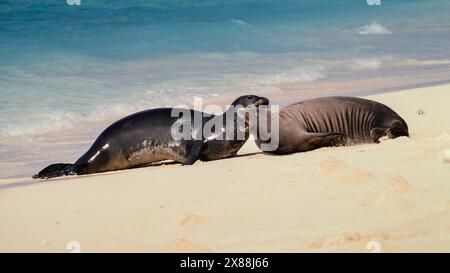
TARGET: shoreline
(331,199)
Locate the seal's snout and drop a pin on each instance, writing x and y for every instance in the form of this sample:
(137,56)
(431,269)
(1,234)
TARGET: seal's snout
(398,128)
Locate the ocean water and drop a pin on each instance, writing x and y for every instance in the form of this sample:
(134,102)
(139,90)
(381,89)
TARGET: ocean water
(67,71)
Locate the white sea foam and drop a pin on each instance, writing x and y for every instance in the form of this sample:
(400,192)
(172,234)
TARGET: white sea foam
(37,123)
(239,22)
(48,122)
(365,63)
(425,62)
(373,29)
(300,74)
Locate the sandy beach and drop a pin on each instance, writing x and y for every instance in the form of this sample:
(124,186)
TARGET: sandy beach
(394,196)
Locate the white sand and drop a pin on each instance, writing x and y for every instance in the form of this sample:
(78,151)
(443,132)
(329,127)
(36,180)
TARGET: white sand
(396,193)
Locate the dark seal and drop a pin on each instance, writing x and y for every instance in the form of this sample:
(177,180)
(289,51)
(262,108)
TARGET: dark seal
(334,121)
(146,137)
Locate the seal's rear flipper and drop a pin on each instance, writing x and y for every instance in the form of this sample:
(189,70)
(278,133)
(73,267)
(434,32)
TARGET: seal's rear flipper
(55,170)
(318,140)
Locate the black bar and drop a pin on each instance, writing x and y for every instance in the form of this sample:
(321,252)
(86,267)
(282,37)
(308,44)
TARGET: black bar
(225,262)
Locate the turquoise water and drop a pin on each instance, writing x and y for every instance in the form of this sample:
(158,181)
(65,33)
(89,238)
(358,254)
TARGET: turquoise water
(70,70)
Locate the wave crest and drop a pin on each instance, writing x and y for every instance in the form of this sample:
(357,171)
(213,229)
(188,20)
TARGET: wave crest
(373,29)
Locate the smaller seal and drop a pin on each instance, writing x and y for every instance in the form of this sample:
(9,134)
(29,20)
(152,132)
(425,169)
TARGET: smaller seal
(147,137)
(334,121)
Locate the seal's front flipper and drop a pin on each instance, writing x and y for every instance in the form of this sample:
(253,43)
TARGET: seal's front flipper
(377,133)
(55,170)
(318,140)
(396,129)
(194,153)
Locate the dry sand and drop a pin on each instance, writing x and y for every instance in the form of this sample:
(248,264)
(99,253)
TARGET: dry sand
(396,194)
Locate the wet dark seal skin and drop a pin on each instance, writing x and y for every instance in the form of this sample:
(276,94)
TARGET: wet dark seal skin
(335,121)
(145,138)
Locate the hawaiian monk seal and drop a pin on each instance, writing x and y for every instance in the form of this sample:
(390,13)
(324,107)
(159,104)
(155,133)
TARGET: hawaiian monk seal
(146,137)
(334,121)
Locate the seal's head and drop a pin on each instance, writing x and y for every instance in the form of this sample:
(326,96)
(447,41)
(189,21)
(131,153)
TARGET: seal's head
(245,107)
(250,100)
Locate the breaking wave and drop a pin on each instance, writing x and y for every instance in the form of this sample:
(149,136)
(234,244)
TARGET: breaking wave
(373,29)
